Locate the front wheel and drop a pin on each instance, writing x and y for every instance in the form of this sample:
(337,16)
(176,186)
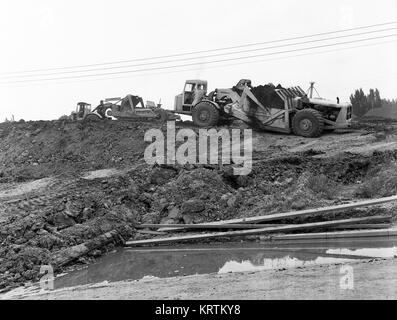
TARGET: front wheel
(308,123)
(205,114)
(92,117)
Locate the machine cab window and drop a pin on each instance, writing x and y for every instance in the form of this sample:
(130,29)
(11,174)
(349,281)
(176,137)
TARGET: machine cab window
(188,93)
(193,90)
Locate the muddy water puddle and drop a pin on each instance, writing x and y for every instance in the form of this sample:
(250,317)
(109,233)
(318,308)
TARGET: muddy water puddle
(162,262)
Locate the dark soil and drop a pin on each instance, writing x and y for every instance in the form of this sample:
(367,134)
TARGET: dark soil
(38,226)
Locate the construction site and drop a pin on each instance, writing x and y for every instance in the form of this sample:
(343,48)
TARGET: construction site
(246,158)
(75,191)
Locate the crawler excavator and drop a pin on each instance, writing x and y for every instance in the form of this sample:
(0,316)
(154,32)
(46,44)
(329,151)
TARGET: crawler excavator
(265,107)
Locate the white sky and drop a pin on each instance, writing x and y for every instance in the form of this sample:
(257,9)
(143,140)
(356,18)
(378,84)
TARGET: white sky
(56,33)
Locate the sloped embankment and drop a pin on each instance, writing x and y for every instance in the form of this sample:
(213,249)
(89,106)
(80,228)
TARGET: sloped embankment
(53,220)
(37,149)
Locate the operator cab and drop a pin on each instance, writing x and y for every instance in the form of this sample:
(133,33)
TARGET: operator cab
(82,109)
(193,92)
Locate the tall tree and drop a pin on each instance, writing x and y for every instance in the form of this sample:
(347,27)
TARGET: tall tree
(362,103)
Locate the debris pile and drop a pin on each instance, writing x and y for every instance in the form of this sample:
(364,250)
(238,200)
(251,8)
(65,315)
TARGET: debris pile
(195,196)
(264,229)
(53,228)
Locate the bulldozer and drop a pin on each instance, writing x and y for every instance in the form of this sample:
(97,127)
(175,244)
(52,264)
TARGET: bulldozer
(131,107)
(286,110)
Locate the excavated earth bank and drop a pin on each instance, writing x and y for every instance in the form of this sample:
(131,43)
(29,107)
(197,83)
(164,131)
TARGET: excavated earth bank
(70,192)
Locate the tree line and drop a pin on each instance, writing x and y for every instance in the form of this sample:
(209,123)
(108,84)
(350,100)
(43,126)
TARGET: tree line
(362,102)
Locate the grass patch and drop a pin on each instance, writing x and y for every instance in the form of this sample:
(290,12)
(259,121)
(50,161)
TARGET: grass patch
(322,185)
(380,182)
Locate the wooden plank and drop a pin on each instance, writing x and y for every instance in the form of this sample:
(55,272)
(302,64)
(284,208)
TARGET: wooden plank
(306,212)
(285,228)
(203,226)
(390,232)
(364,226)
(206,226)
(155,233)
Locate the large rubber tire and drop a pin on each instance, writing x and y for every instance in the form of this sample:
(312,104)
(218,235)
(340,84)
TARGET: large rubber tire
(205,114)
(91,117)
(308,123)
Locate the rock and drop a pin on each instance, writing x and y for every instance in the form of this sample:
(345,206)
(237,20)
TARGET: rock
(151,217)
(298,205)
(42,232)
(231,202)
(167,220)
(174,213)
(49,241)
(20,241)
(61,220)
(161,176)
(193,206)
(72,210)
(243,181)
(163,204)
(188,219)
(29,235)
(229,199)
(87,214)
(36,132)
(95,253)
(17,276)
(29,274)
(37,226)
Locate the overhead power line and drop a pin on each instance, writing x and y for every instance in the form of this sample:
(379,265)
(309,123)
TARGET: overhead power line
(199,63)
(208,67)
(198,57)
(200,51)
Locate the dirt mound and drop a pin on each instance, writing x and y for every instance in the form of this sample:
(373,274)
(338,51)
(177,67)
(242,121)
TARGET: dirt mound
(34,150)
(267,96)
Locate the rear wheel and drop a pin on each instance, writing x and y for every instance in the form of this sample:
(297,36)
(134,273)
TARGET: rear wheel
(205,114)
(308,123)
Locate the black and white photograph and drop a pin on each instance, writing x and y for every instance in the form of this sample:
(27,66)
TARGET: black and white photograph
(176,152)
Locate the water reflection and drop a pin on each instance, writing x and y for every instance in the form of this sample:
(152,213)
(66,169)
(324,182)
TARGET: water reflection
(286,262)
(136,264)
(367,252)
